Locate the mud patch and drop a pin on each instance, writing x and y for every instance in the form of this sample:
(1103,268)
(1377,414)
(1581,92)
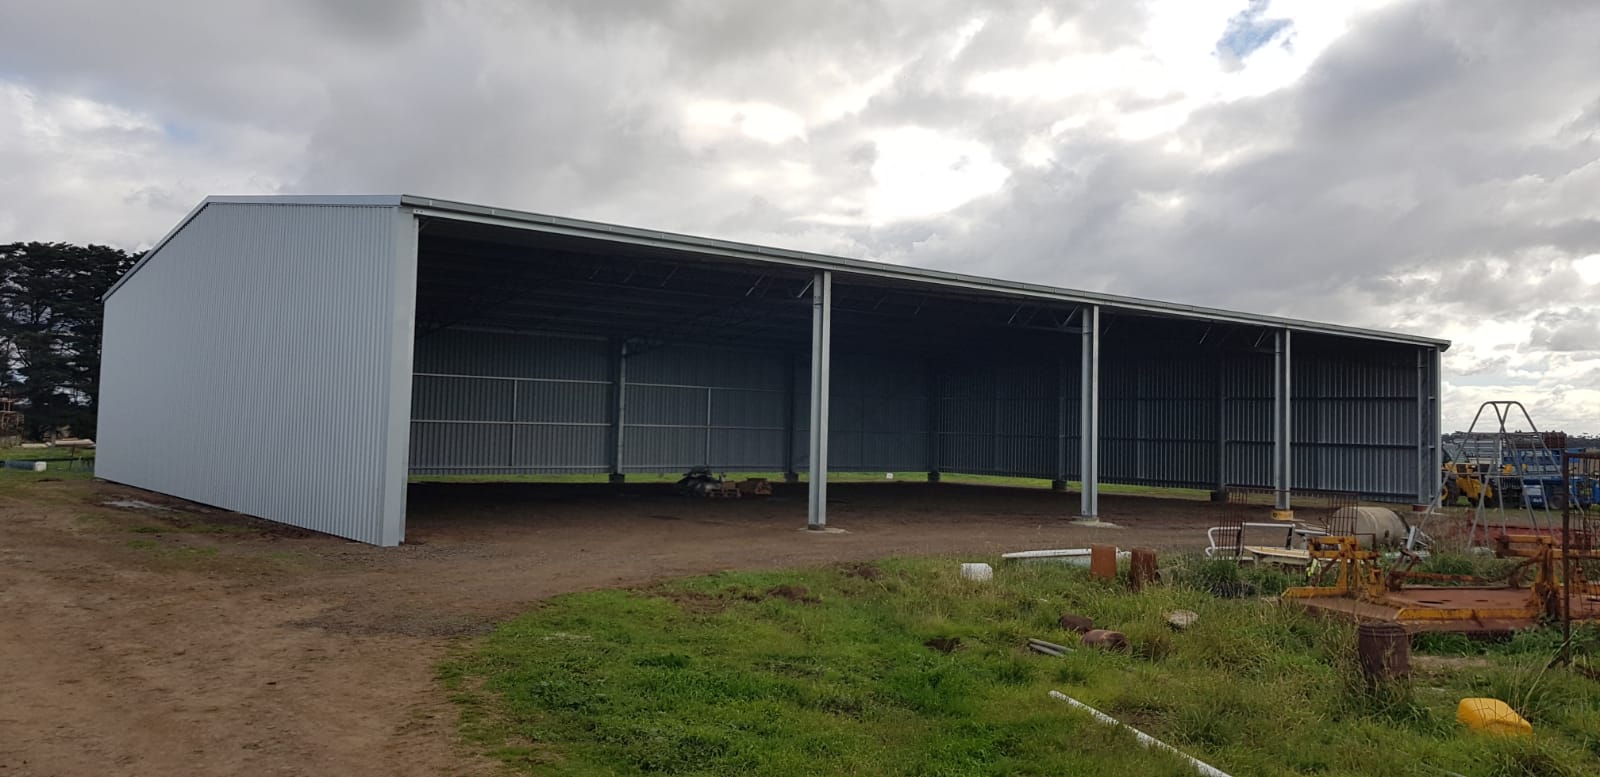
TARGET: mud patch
(943,644)
(794,593)
(696,602)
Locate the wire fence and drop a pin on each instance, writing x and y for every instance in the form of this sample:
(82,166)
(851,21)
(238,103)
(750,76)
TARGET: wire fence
(1248,504)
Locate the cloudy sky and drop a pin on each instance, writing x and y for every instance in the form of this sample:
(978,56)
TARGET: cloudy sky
(1426,165)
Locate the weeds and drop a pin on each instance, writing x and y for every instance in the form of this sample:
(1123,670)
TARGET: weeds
(718,675)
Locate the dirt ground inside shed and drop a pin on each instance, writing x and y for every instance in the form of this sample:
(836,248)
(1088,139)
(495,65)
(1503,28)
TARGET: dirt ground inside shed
(158,637)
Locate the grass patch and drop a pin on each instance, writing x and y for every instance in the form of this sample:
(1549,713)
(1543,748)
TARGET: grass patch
(60,466)
(902,668)
(52,455)
(13,481)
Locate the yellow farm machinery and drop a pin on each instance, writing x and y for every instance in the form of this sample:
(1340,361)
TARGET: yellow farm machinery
(1545,585)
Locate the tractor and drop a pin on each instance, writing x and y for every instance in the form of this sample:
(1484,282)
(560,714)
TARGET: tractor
(1462,479)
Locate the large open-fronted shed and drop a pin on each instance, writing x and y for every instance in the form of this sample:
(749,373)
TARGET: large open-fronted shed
(298,358)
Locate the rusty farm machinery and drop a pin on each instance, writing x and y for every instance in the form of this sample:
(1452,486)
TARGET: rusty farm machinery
(1545,585)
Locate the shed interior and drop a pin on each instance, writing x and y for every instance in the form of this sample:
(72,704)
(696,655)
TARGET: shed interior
(549,353)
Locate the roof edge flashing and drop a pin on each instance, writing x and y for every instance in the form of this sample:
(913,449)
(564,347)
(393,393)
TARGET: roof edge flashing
(344,200)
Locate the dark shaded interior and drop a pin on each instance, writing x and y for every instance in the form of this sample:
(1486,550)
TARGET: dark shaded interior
(995,376)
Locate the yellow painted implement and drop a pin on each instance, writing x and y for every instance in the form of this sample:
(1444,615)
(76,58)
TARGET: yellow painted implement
(1364,590)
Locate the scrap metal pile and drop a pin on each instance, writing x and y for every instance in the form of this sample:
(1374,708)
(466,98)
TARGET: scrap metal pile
(1549,584)
(1534,590)
(701,482)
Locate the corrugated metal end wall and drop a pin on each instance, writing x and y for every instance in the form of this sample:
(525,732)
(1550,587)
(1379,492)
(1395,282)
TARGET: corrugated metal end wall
(252,365)
(504,403)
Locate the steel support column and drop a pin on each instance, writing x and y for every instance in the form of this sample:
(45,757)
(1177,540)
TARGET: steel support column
(791,412)
(1089,415)
(1282,423)
(1060,481)
(395,444)
(1429,456)
(935,400)
(1437,358)
(1221,492)
(821,353)
(1424,456)
(619,406)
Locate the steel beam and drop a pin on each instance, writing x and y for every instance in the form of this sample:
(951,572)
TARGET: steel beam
(619,406)
(1089,415)
(821,353)
(1282,423)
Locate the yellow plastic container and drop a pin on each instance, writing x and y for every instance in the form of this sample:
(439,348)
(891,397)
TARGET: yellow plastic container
(1492,716)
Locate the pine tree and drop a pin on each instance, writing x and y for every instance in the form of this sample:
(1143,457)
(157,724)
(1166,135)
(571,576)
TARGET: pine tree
(50,318)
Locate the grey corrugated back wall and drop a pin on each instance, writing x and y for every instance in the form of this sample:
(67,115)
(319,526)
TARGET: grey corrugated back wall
(505,403)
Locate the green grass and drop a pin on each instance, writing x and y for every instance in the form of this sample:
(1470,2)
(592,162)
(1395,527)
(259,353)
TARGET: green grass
(40,454)
(58,467)
(723,675)
(834,477)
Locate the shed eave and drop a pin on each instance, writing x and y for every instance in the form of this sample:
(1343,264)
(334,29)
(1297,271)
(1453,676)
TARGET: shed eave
(449,209)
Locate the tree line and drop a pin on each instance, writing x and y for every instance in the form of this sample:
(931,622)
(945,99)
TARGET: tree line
(50,320)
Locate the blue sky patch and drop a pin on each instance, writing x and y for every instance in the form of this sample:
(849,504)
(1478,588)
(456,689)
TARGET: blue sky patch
(181,133)
(1250,30)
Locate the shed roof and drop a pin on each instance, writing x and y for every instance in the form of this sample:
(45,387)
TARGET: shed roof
(725,249)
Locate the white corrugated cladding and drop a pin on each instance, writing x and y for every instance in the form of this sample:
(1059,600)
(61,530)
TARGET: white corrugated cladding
(260,361)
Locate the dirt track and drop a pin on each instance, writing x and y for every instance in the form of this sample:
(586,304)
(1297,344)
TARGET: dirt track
(187,640)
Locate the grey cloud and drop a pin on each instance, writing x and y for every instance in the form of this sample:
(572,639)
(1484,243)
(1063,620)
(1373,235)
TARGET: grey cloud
(1569,330)
(1398,153)
(373,20)
(1491,366)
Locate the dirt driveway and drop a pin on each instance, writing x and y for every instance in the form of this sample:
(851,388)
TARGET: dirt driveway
(170,638)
